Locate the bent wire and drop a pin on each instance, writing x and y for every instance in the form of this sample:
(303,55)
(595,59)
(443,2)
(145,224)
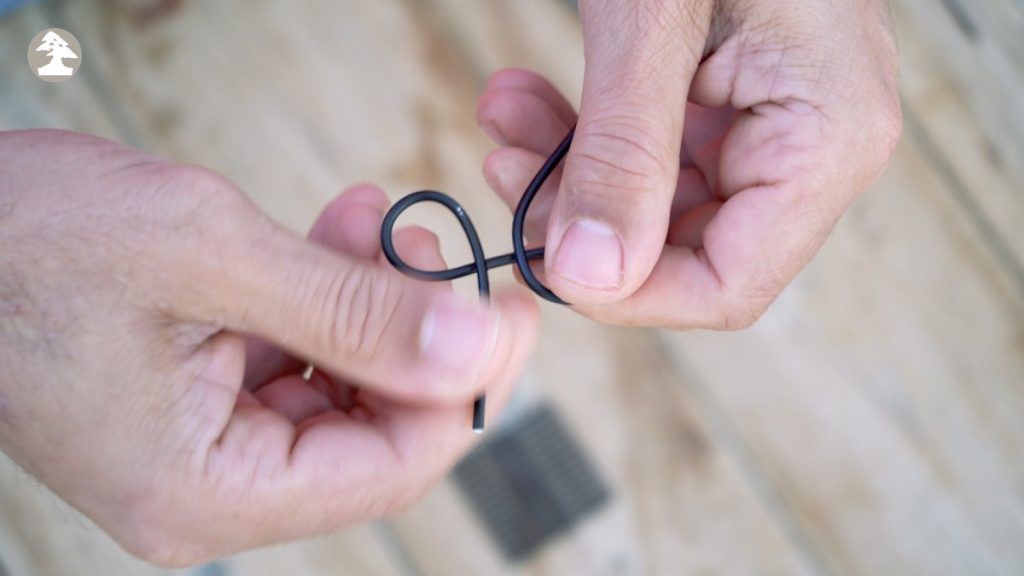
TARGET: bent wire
(480,265)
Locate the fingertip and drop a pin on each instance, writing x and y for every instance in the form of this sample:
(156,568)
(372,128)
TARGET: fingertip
(497,168)
(508,172)
(489,115)
(371,198)
(587,263)
(293,398)
(457,341)
(520,80)
(520,118)
(366,193)
(471,348)
(514,78)
(353,229)
(419,247)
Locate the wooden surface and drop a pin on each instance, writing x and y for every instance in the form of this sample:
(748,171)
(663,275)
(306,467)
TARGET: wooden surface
(871,423)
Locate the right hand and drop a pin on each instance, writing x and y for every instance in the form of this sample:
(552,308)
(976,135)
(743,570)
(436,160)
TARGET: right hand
(153,328)
(717,144)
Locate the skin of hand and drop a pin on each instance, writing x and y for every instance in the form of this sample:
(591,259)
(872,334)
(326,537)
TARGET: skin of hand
(152,322)
(717,144)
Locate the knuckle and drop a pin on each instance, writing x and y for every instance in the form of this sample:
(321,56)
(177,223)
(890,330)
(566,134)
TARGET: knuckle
(193,195)
(691,22)
(670,26)
(196,221)
(621,150)
(358,306)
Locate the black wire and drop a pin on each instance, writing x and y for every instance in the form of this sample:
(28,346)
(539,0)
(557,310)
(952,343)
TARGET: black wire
(480,265)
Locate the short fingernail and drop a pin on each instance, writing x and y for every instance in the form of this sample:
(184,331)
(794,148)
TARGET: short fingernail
(590,255)
(456,335)
(494,132)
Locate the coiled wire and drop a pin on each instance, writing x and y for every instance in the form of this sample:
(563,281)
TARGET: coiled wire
(480,265)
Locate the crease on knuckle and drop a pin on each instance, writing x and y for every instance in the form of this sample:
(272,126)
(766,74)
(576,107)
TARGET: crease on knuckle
(198,183)
(622,151)
(679,25)
(359,306)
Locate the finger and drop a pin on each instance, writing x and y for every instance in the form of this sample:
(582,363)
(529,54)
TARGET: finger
(294,398)
(265,362)
(518,80)
(611,215)
(349,224)
(298,398)
(774,169)
(421,249)
(698,159)
(703,135)
(452,428)
(521,118)
(688,229)
(361,320)
(691,191)
(408,448)
(335,468)
(792,160)
(508,171)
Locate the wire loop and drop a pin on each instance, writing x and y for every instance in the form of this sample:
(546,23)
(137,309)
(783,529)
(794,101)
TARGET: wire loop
(480,265)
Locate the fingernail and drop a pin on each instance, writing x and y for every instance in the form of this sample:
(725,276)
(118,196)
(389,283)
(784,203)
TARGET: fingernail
(590,255)
(494,132)
(457,335)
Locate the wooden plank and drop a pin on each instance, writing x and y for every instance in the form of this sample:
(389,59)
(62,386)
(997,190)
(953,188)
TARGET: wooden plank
(882,392)
(39,534)
(963,77)
(42,536)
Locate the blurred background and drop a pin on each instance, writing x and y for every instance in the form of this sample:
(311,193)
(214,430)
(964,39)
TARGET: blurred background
(871,423)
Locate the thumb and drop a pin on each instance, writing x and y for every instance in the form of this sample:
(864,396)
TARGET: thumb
(358,319)
(611,216)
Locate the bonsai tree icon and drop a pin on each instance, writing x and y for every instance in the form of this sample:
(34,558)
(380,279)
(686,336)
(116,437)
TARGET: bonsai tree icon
(57,49)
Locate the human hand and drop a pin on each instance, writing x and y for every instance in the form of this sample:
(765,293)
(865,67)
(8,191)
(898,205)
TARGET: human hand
(128,385)
(718,143)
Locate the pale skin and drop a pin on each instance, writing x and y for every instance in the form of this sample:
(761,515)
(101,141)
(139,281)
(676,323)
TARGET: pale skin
(154,324)
(717,145)
(151,325)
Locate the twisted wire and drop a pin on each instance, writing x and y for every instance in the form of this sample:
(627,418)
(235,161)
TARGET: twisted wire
(519,257)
